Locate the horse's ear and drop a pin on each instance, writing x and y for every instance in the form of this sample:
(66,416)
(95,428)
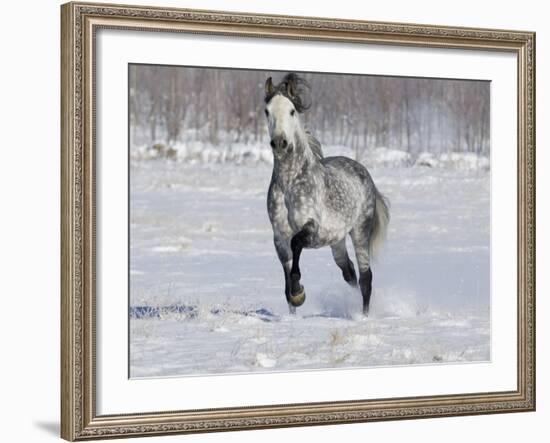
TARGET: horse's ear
(269,87)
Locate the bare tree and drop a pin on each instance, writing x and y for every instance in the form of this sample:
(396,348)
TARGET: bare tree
(176,104)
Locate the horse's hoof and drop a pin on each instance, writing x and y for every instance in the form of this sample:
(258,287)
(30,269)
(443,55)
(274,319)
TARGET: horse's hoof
(299,298)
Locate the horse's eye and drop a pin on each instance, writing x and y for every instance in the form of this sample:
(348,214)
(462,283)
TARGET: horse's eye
(292,112)
(266,113)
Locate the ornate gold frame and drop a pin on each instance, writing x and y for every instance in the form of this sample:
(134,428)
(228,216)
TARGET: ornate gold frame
(79,21)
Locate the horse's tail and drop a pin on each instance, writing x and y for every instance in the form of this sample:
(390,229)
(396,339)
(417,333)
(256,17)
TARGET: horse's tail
(381,221)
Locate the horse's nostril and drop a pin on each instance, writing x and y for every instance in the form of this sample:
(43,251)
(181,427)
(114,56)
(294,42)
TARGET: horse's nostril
(278,143)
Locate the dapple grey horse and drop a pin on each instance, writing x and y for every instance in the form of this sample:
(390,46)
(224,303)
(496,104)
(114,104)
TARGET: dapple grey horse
(315,201)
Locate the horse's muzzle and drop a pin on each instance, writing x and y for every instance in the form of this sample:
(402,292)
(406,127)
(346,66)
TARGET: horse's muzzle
(278,143)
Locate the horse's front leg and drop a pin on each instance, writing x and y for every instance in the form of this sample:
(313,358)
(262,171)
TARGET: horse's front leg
(282,246)
(302,239)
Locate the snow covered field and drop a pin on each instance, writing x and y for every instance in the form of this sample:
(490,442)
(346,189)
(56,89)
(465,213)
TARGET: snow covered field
(206,288)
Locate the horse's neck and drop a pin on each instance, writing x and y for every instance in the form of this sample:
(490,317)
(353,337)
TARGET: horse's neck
(303,163)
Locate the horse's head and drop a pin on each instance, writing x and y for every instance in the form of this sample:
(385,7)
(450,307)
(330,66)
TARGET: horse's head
(283,104)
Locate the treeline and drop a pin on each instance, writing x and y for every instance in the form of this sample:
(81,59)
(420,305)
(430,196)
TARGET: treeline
(173,104)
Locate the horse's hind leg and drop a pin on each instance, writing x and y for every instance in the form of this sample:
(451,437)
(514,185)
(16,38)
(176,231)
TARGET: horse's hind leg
(360,238)
(341,257)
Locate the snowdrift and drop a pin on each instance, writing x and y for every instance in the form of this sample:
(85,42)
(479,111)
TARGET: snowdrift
(246,153)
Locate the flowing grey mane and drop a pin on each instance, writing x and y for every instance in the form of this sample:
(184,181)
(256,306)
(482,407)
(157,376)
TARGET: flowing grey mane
(314,145)
(293,87)
(315,201)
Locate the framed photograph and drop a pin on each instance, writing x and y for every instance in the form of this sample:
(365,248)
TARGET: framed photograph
(277,221)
